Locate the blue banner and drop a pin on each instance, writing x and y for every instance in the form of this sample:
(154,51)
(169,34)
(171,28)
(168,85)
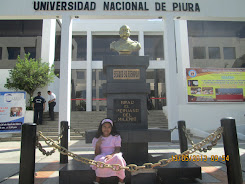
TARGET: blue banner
(12,111)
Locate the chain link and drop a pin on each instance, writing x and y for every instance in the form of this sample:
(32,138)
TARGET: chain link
(213,138)
(171,130)
(133,167)
(187,135)
(41,149)
(78,132)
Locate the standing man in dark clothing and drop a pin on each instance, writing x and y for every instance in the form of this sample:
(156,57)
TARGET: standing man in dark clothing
(51,104)
(39,107)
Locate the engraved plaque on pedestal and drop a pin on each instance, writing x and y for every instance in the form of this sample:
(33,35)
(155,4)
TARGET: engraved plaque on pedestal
(127,111)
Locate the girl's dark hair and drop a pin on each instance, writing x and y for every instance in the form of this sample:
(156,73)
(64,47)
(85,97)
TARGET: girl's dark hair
(99,131)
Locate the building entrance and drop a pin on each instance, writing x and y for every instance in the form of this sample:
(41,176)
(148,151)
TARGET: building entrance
(156,98)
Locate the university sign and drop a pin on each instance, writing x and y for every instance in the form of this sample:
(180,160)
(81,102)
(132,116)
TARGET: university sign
(113,6)
(96,9)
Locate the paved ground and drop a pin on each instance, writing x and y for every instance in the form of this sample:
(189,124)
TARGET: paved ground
(47,167)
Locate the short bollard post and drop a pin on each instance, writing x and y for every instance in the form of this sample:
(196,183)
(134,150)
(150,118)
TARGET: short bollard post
(27,153)
(64,141)
(234,172)
(182,137)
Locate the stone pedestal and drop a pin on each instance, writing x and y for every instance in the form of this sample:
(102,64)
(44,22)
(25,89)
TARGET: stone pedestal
(126,92)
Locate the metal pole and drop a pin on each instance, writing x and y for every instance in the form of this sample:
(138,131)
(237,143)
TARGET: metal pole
(64,141)
(182,138)
(234,172)
(27,154)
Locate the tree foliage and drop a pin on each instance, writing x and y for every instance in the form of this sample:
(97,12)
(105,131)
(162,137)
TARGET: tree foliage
(30,74)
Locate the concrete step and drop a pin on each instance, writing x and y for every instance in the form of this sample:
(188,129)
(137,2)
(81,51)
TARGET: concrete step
(9,139)
(82,121)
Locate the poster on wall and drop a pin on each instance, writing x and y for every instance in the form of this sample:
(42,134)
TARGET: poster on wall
(12,111)
(215,84)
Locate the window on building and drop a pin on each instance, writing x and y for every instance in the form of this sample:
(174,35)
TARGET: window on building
(13,52)
(78,90)
(0,53)
(79,48)
(229,52)
(20,28)
(199,53)
(153,46)
(57,47)
(99,100)
(101,46)
(214,52)
(157,96)
(32,51)
(214,36)
(80,74)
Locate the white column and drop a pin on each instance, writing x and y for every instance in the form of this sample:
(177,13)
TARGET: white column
(89,72)
(48,49)
(183,58)
(48,41)
(171,75)
(65,71)
(142,43)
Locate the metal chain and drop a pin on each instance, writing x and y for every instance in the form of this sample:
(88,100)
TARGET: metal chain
(131,167)
(213,143)
(171,130)
(44,152)
(209,147)
(48,153)
(77,131)
(40,147)
(187,135)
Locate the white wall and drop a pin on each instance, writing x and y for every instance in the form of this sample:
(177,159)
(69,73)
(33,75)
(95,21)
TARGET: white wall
(207,116)
(4,73)
(54,87)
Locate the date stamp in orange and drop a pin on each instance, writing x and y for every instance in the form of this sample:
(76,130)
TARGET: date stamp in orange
(200,158)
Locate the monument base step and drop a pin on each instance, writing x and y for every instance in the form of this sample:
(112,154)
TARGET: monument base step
(76,173)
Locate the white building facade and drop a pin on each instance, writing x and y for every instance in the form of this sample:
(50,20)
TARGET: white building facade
(75,35)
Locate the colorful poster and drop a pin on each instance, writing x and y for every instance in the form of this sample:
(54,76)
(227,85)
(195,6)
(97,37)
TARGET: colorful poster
(215,85)
(12,111)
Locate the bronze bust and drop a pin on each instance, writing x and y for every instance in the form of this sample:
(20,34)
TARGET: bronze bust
(125,45)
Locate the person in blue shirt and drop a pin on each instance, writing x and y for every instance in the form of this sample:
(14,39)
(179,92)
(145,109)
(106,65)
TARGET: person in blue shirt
(39,107)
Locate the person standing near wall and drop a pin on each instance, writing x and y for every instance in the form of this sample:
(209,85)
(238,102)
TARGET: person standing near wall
(38,106)
(51,104)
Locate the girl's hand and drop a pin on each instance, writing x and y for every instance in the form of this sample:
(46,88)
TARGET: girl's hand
(108,157)
(99,142)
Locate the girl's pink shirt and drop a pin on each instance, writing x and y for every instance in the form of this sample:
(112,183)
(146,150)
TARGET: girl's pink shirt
(108,144)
